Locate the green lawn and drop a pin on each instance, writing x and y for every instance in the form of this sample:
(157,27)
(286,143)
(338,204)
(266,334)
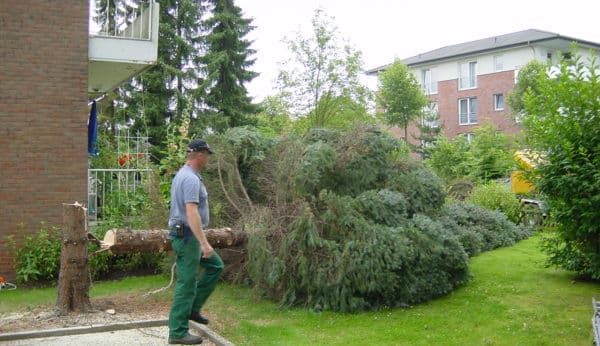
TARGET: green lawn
(512,300)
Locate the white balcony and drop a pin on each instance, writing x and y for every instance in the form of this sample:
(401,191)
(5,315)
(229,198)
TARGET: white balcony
(123,48)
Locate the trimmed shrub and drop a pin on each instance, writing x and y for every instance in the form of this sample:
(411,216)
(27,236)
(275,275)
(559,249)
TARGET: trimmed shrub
(423,189)
(496,196)
(494,230)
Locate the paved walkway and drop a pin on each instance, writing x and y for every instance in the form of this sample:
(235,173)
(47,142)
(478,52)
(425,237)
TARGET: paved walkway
(133,333)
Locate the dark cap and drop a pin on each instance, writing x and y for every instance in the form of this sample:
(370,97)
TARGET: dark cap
(199,145)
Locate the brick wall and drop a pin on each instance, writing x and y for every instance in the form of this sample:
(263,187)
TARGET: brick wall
(487,86)
(43,114)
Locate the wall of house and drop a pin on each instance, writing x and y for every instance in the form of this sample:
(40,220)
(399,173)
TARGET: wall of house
(43,115)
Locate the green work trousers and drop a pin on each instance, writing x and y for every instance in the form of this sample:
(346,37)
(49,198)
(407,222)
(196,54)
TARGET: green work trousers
(191,294)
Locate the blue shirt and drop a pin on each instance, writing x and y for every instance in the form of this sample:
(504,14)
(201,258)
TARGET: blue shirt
(188,187)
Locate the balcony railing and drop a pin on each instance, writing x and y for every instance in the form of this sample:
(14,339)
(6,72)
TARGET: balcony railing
(123,42)
(123,18)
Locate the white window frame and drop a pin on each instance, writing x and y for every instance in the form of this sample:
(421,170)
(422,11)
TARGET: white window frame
(428,82)
(471,111)
(497,98)
(498,63)
(470,136)
(467,75)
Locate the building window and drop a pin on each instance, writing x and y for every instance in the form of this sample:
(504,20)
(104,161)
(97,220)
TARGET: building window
(498,102)
(468,75)
(467,111)
(427,82)
(498,63)
(470,136)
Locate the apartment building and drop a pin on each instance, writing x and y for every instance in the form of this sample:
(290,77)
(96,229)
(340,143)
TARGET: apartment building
(468,83)
(51,67)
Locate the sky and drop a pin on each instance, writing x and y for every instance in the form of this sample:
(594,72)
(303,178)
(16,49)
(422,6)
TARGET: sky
(384,30)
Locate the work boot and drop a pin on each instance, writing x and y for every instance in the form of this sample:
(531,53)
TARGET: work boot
(189,339)
(196,317)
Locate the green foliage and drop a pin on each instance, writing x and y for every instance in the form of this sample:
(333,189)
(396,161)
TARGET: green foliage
(232,177)
(563,124)
(492,153)
(37,257)
(527,82)
(400,96)
(496,196)
(337,233)
(429,130)
(423,189)
(487,157)
(273,119)
(480,229)
(321,80)
(226,63)
(450,159)
(385,207)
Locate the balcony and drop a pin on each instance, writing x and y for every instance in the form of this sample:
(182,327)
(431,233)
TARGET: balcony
(123,46)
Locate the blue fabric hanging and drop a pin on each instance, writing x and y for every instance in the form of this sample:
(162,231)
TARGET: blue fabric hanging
(93,131)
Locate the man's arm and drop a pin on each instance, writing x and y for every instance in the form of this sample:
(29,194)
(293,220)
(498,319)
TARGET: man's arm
(195,221)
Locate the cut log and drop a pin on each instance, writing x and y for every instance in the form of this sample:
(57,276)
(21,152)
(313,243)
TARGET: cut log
(128,241)
(125,241)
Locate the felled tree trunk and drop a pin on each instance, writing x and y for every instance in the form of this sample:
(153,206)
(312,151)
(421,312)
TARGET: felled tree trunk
(125,241)
(74,276)
(230,244)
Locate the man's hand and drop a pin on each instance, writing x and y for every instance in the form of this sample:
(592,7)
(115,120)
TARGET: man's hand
(207,250)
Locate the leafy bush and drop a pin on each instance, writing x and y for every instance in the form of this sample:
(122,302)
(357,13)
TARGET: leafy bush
(38,256)
(496,196)
(487,157)
(480,229)
(563,125)
(423,189)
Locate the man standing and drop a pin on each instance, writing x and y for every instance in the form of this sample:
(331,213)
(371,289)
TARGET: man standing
(187,218)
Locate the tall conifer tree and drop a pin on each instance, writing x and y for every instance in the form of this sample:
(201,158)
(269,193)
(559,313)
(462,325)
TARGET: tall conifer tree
(167,91)
(227,62)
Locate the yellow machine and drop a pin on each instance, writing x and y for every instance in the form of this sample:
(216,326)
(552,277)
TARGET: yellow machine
(527,162)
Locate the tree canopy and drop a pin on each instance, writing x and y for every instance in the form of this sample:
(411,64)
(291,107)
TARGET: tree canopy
(400,96)
(322,76)
(562,120)
(226,63)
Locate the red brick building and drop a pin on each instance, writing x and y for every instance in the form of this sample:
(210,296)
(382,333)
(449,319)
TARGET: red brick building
(46,69)
(468,82)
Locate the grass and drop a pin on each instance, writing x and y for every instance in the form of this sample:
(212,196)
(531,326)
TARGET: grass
(512,300)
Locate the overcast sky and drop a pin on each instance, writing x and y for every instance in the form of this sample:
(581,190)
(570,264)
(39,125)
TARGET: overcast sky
(387,29)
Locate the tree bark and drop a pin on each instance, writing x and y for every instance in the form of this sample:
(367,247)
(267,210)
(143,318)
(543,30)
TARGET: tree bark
(125,241)
(230,244)
(74,276)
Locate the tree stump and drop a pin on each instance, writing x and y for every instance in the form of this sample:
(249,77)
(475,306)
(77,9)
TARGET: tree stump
(74,276)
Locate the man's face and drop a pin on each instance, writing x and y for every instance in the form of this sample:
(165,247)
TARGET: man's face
(202,158)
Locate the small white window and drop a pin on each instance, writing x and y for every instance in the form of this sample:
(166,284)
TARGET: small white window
(428,82)
(467,111)
(468,75)
(498,63)
(470,136)
(498,102)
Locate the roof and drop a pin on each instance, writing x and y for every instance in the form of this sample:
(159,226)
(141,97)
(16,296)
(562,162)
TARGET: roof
(514,39)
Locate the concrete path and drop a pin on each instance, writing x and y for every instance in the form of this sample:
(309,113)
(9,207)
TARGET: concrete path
(150,333)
